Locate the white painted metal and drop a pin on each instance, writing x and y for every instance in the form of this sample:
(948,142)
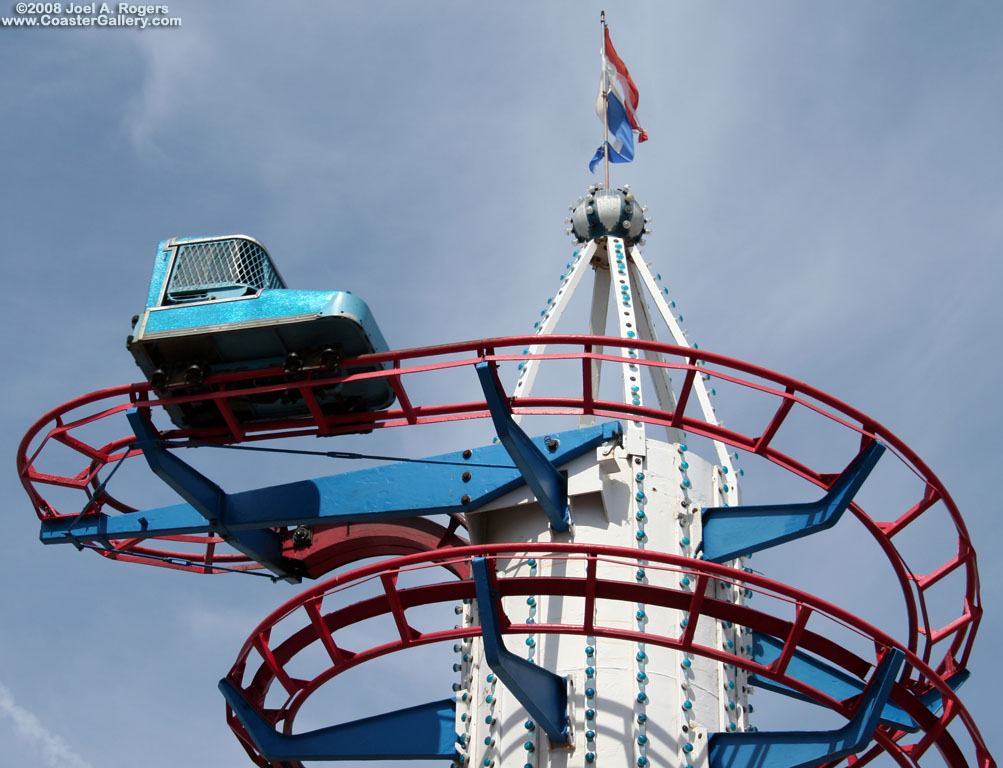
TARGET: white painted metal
(627,324)
(597,323)
(597,254)
(660,379)
(603,488)
(687,697)
(699,384)
(551,315)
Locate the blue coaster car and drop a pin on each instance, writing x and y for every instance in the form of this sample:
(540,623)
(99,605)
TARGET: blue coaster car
(218,304)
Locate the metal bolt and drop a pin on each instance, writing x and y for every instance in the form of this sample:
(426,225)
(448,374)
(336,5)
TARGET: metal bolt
(302,537)
(293,363)
(158,379)
(330,357)
(194,374)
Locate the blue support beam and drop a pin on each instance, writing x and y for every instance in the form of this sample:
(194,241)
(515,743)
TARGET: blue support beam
(210,501)
(730,532)
(452,482)
(821,676)
(835,683)
(543,694)
(934,700)
(425,732)
(548,485)
(807,749)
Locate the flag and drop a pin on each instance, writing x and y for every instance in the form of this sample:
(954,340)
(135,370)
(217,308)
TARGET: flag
(621,145)
(621,97)
(619,77)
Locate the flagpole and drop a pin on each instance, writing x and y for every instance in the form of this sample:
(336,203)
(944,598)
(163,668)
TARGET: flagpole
(605,99)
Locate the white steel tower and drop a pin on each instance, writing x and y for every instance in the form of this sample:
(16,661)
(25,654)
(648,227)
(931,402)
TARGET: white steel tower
(633,702)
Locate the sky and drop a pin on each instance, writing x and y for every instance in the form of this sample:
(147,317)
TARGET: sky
(824,182)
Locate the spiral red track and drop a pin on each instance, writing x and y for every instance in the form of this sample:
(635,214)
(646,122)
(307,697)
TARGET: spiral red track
(786,396)
(319,627)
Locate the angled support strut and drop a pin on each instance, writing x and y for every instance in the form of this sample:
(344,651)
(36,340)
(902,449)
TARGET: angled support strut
(209,500)
(730,532)
(542,693)
(548,485)
(821,676)
(425,732)
(806,749)
(835,683)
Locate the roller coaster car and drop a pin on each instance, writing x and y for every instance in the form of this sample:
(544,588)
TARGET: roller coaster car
(218,305)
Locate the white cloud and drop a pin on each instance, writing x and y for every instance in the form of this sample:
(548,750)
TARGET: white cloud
(51,748)
(171,83)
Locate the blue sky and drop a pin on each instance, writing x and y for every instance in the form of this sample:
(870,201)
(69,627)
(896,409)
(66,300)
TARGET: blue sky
(825,185)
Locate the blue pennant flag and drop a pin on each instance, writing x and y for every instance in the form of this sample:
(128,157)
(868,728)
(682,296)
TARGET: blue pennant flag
(621,146)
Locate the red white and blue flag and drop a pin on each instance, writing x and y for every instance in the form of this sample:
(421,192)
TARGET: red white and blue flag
(621,97)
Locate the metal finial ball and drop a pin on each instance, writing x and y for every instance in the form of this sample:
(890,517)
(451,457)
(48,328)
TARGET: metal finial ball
(608,212)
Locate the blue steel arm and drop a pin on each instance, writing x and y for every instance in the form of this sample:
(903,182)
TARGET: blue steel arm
(399,490)
(837,684)
(934,700)
(806,749)
(262,544)
(201,492)
(425,732)
(821,676)
(543,694)
(548,485)
(730,532)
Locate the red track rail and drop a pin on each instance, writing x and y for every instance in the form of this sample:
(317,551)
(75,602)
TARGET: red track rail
(317,626)
(62,425)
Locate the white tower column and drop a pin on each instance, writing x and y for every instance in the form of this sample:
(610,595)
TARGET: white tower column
(634,701)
